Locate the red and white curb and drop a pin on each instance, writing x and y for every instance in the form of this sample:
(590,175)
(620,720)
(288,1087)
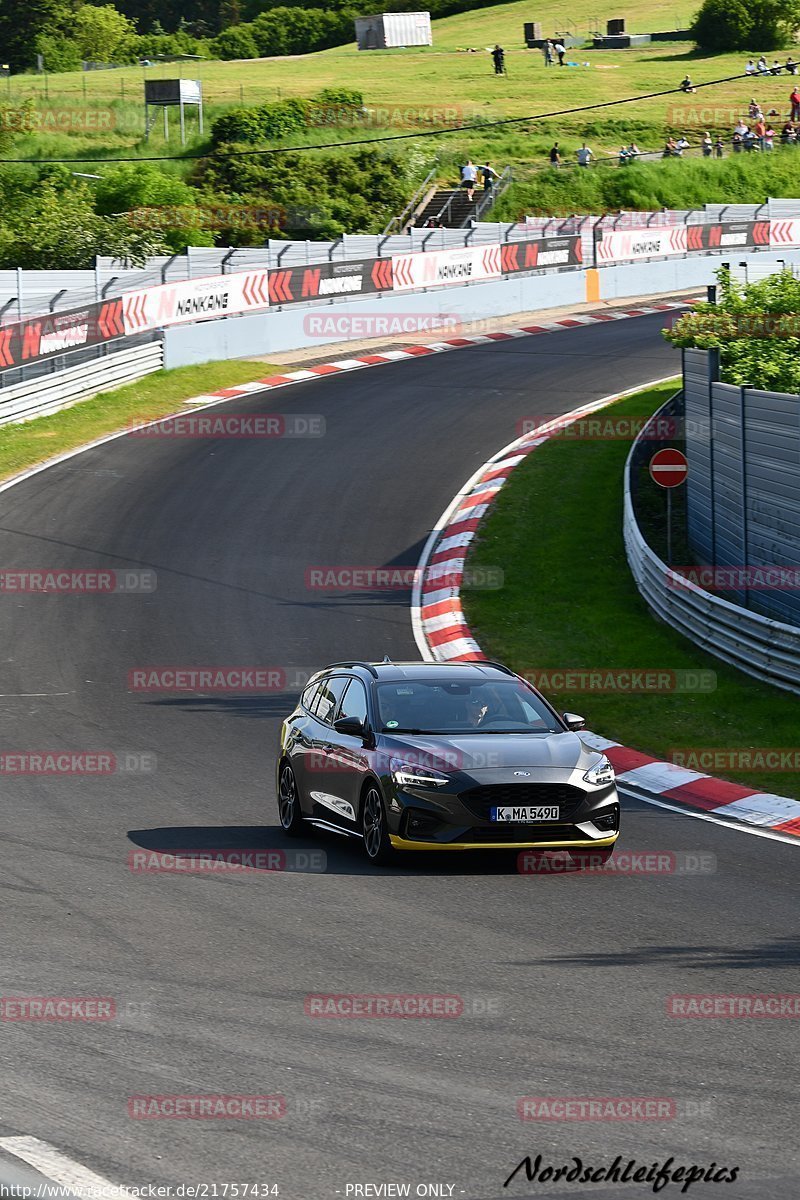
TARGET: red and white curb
(442,635)
(387,356)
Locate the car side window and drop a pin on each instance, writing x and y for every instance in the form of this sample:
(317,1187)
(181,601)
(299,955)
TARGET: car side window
(329,695)
(307,698)
(354,702)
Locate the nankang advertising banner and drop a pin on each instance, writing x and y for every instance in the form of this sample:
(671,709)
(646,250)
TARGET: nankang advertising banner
(438,268)
(59,332)
(194,300)
(631,245)
(323,281)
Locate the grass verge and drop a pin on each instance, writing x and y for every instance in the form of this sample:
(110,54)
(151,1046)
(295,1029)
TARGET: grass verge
(569,603)
(156,395)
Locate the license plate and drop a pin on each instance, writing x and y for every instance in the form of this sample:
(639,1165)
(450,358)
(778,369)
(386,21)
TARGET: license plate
(526,814)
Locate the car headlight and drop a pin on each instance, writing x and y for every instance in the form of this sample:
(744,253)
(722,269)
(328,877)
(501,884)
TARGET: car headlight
(408,775)
(601,773)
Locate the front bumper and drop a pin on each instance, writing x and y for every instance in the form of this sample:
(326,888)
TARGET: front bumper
(400,843)
(427,819)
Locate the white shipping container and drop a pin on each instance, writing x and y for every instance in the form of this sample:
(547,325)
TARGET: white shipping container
(383,30)
(407,29)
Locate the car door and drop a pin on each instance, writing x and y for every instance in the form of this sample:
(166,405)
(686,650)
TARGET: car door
(348,761)
(321,744)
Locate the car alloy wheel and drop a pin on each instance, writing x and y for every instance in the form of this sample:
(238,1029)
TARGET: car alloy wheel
(373,827)
(289,803)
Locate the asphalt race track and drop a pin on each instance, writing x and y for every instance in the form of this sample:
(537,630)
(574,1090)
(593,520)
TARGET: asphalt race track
(565,979)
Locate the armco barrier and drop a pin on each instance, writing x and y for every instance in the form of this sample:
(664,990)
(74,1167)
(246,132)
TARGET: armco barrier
(763,648)
(49,393)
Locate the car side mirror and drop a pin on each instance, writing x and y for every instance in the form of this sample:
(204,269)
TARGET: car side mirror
(574,722)
(352,725)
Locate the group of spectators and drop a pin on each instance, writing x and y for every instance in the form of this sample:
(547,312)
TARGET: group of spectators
(758,135)
(761,68)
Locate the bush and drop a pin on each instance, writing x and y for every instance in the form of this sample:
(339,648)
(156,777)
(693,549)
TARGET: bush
(750,326)
(277,121)
(236,42)
(59,53)
(161,203)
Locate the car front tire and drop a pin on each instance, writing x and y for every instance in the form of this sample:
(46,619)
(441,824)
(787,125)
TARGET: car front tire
(375,830)
(289,803)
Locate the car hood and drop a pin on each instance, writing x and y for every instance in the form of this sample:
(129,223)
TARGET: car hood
(486,751)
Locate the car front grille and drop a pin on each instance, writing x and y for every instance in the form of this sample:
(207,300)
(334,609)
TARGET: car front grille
(481,800)
(538,832)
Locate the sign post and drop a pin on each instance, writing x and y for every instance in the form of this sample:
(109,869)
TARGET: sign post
(669,468)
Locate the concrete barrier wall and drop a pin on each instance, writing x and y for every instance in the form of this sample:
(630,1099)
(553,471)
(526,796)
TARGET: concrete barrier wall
(298,327)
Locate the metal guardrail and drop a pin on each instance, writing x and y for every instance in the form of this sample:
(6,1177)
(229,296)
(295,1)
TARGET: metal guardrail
(49,393)
(766,649)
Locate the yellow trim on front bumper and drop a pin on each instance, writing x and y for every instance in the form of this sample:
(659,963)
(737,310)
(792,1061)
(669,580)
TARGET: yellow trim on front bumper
(405,844)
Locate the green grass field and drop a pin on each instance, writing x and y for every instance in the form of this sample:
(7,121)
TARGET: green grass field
(158,395)
(431,86)
(569,603)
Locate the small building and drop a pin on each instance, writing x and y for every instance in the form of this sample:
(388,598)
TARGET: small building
(385,30)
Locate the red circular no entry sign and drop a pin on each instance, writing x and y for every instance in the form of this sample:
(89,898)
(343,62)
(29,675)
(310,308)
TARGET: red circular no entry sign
(668,468)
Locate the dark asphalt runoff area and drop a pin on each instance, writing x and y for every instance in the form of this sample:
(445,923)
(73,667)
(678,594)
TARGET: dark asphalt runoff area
(564,979)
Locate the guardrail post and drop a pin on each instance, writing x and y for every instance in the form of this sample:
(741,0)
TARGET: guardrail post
(227,258)
(55,299)
(743,461)
(166,266)
(19,291)
(107,285)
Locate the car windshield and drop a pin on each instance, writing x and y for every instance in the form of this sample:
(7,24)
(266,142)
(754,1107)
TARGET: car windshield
(444,706)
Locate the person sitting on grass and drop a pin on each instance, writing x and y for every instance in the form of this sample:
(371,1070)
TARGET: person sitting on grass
(750,69)
(687,85)
(791,65)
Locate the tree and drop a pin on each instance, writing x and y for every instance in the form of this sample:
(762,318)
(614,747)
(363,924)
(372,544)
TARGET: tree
(23,21)
(102,33)
(723,25)
(755,328)
(236,42)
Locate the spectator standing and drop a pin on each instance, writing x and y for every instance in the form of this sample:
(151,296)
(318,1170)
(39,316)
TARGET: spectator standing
(555,155)
(794,100)
(680,146)
(749,140)
(584,156)
(670,149)
(737,141)
(469,176)
(489,175)
(547,50)
(633,152)
(708,145)
(791,65)
(560,51)
(623,156)
(754,110)
(760,129)
(769,138)
(787,134)
(499,57)
(718,148)
(741,128)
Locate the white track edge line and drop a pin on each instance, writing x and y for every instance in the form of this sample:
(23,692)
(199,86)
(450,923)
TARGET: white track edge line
(58,1167)
(773,835)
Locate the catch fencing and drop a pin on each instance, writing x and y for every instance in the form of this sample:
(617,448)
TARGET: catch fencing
(763,647)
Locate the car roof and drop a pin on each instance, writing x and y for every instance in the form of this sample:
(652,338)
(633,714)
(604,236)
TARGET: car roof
(386,672)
